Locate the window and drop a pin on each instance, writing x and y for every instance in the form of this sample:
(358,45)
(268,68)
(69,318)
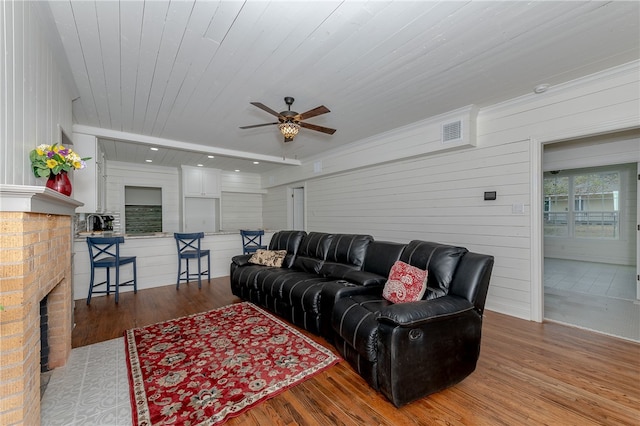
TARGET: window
(556,196)
(584,205)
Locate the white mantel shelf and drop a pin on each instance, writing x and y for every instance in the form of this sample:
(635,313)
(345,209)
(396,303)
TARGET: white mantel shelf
(36,199)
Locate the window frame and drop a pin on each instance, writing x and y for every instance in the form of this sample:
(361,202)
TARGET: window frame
(577,203)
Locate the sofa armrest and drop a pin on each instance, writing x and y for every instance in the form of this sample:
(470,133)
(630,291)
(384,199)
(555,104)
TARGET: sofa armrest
(241,259)
(364,278)
(414,314)
(334,291)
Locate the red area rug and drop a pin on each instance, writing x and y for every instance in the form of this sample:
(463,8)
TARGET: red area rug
(204,368)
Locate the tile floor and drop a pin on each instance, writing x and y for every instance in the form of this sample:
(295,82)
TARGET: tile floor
(91,389)
(595,296)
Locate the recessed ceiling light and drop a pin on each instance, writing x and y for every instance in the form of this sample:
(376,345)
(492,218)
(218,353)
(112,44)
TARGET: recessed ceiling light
(540,88)
(210,156)
(237,170)
(256,162)
(200,165)
(149,161)
(153,148)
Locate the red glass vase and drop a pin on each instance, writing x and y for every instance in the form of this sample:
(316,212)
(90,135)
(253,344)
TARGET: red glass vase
(60,183)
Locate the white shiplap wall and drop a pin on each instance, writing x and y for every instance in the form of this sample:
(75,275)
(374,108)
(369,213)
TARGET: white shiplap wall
(436,198)
(274,209)
(241,202)
(241,211)
(34,100)
(241,182)
(439,197)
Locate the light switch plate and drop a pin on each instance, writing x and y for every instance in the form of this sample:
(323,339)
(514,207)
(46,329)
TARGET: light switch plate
(517,208)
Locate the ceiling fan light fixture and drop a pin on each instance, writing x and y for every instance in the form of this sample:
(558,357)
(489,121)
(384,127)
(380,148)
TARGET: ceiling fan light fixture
(289,130)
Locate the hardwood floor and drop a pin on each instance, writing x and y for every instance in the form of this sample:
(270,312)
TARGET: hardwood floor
(528,373)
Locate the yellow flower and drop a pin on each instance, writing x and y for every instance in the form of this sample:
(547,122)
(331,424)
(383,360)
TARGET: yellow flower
(77,164)
(51,163)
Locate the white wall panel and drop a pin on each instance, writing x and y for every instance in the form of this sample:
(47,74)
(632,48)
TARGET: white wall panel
(439,197)
(34,100)
(241,211)
(619,148)
(274,209)
(241,182)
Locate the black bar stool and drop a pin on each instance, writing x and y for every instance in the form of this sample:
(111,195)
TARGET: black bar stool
(189,248)
(104,252)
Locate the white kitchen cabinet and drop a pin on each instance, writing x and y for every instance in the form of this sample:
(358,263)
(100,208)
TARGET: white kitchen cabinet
(89,183)
(200,182)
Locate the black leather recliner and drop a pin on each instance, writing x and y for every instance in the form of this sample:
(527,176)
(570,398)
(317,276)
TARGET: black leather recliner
(294,290)
(409,350)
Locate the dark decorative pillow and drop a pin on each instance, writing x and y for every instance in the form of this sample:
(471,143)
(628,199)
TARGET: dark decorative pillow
(406,283)
(268,257)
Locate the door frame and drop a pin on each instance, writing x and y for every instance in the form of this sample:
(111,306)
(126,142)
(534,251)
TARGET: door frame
(537,203)
(290,205)
(638,235)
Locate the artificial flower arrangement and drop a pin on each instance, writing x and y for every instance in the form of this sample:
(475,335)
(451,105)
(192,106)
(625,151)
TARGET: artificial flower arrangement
(47,160)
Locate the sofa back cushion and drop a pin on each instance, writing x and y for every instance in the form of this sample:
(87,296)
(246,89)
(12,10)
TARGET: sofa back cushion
(346,253)
(289,241)
(472,279)
(439,260)
(312,252)
(380,257)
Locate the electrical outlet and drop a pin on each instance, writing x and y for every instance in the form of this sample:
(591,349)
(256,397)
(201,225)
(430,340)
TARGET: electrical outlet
(517,208)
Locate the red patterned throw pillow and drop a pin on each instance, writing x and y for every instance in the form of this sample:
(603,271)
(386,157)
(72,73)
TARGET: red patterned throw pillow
(406,283)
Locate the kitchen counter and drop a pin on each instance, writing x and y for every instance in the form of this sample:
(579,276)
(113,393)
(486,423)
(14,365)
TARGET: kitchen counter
(156,259)
(80,236)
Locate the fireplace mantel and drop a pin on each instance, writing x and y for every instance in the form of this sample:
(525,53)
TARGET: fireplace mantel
(36,199)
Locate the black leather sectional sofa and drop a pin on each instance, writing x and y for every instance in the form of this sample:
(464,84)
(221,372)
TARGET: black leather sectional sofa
(331,285)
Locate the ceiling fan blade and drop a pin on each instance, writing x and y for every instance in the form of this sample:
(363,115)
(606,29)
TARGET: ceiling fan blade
(265,108)
(318,128)
(258,125)
(314,112)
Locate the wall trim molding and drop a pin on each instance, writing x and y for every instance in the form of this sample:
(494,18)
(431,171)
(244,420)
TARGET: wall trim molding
(628,68)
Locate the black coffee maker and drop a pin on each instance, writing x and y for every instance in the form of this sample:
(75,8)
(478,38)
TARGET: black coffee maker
(100,222)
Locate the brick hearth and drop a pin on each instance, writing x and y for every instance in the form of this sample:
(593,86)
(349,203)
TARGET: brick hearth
(35,261)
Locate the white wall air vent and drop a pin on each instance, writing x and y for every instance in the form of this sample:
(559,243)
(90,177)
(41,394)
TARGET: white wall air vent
(458,128)
(451,132)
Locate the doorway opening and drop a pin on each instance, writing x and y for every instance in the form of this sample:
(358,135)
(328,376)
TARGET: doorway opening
(591,240)
(296,208)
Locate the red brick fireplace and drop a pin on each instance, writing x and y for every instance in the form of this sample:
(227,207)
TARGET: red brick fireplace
(35,261)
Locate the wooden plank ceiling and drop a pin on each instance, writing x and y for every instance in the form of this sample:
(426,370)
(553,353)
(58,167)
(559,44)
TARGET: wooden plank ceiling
(187,70)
